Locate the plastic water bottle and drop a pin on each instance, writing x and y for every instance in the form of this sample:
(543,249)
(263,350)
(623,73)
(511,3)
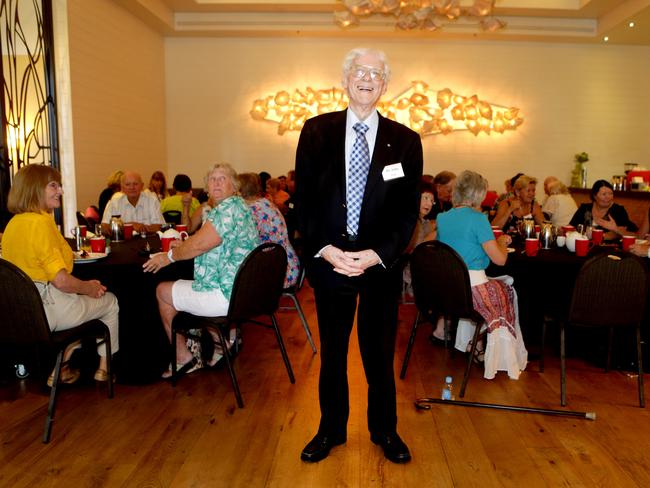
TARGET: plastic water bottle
(448,389)
(21,371)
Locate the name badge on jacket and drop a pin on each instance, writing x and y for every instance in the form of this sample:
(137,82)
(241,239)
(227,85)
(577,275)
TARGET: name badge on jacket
(392,171)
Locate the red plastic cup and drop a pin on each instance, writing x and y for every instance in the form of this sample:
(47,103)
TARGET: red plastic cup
(627,242)
(532,247)
(181,227)
(128,231)
(165,242)
(538,229)
(597,236)
(582,247)
(83,230)
(567,228)
(98,244)
(497,233)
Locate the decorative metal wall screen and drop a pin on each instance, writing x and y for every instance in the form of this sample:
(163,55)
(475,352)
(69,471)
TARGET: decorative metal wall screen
(28,129)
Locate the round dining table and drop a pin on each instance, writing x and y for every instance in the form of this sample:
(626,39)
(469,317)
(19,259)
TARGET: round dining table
(144,348)
(544,285)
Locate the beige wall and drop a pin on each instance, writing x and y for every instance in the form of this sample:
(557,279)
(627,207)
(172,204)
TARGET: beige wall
(118,95)
(573,97)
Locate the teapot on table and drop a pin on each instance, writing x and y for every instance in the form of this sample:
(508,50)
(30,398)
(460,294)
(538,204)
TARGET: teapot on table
(170,235)
(571,240)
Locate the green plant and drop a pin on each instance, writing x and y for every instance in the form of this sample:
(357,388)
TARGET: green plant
(582,157)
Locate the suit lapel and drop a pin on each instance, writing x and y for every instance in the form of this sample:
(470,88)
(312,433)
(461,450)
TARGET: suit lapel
(380,156)
(338,153)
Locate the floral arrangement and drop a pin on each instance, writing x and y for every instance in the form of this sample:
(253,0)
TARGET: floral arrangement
(582,157)
(579,173)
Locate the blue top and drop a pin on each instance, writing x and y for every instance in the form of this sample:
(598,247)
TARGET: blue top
(465,230)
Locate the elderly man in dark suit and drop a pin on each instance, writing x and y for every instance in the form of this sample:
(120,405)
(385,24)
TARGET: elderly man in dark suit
(357,200)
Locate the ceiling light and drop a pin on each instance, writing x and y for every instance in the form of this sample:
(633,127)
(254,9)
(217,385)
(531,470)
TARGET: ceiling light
(420,14)
(631,24)
(606,38)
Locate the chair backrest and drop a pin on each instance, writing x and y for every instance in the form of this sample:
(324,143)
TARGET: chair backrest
(259,283)
(23,317)
(82,220)
(611,290)
(440,281)
(172,216)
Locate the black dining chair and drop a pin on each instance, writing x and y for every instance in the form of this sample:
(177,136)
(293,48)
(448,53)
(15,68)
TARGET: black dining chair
(81,220)
(610,292)
(292,293)
(441,287)
(256,291)
(172,217)
(24,323)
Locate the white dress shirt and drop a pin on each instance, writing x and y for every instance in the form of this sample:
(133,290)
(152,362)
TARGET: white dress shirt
(146,210)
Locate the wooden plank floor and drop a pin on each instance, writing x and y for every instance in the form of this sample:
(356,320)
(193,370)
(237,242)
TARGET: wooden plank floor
(194,435)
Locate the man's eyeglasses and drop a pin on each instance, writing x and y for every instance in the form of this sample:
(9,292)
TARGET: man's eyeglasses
(360,72)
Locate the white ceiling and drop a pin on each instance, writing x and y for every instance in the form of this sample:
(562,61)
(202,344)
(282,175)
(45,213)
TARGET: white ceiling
(585,21)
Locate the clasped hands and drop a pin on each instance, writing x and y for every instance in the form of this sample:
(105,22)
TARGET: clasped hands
(350,263)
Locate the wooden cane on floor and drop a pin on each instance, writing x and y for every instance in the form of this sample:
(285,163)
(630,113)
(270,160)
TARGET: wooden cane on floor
(422,404)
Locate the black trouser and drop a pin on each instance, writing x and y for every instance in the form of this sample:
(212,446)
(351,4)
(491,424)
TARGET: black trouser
(336,303)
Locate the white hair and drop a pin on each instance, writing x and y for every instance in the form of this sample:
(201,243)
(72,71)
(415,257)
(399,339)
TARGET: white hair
(470,189)
(357,52)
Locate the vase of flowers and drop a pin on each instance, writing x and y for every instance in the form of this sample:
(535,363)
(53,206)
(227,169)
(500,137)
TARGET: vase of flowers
(579,173)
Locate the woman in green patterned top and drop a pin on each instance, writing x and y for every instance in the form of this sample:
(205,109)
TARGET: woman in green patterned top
(218,249)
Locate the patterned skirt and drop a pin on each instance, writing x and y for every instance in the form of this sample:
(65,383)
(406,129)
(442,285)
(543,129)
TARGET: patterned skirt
(496,301)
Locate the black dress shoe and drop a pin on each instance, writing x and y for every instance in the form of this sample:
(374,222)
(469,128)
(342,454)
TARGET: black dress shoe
(319,448)
(394,448)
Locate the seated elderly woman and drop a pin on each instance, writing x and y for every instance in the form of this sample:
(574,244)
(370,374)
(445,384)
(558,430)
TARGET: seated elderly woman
(468,232)
(560,206)
(521,205)
(270,223)
(218,248)
(604,213)
(32,242)
(443,183)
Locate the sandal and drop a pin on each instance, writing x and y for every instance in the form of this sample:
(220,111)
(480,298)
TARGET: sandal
(216,356)
(189,367)
(67,376)
(101,375)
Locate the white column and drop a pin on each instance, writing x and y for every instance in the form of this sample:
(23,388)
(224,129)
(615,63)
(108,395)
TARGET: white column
(64,113)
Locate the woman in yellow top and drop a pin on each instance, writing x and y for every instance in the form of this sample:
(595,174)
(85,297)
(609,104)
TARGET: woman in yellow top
(32,242)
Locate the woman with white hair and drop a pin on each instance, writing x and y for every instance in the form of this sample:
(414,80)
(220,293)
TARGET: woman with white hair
(467,230)
(218,248)
(560,205)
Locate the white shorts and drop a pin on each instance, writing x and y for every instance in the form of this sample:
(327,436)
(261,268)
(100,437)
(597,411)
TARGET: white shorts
(202,303)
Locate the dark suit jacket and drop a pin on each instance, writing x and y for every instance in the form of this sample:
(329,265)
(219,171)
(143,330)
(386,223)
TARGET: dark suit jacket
(390,208)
